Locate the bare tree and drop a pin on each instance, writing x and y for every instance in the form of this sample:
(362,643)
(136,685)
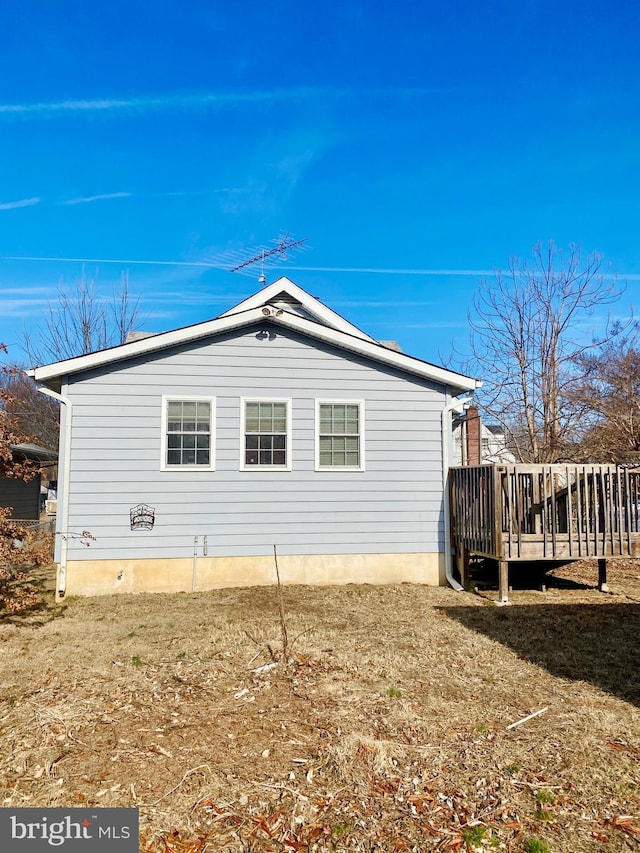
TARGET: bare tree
(82,321)
(33,414)
(18,547)
(529,328)
(609,395)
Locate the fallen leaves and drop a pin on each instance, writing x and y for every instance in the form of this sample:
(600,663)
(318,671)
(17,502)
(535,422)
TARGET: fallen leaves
(623,822)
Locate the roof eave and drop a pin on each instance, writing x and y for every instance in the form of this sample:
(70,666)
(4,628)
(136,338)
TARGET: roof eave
(50,375)
(378,352)
(47,374)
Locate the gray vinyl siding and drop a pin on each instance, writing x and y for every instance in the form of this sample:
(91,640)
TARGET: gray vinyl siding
(22,497)
(393,506)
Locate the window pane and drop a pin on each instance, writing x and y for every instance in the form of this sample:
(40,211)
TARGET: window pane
(352,419)
(265,432)
(188,428)
(203,409)
(339,435)
(339,419)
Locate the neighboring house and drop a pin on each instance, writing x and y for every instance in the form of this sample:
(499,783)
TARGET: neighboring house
(187,455)
(477,443)
(24,496)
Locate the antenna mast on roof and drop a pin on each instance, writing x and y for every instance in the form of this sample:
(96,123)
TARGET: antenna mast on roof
(283,244)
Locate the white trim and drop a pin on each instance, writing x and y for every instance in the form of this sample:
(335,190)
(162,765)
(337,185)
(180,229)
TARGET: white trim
(188,398)
(62,518)
(265,314)
(154,343)
(288,442)
(452,405)
(377,352)
(310,304)
(361,434)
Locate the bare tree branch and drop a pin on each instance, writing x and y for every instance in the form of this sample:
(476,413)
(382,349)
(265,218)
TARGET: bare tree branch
(529,329)
(82,321)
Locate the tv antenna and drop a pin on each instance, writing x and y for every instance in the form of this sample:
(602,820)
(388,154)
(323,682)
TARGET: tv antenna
(282,246)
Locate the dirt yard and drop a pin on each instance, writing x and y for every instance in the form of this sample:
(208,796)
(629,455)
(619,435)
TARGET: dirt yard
(390,728)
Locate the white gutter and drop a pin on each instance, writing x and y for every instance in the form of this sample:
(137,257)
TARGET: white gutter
(62,520)
(454,406)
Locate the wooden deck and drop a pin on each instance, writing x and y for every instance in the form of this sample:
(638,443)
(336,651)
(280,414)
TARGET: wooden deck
(515,513)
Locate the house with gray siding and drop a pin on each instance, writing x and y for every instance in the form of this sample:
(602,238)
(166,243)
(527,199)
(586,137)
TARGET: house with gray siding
(186,456)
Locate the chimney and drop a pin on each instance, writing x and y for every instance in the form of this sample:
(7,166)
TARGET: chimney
(473,432)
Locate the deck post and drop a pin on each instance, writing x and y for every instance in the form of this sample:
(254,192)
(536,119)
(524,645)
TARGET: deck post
(503,581)
(462,559)
(603,586)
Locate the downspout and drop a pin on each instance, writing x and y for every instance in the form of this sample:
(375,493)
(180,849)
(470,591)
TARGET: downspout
(63,525)
(454,405)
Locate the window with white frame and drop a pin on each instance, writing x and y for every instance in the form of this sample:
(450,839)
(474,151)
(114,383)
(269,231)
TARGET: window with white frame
(188,433)
(266,428)
(340,430)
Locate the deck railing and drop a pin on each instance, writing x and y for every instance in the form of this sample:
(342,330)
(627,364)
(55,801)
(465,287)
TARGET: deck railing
(546,512)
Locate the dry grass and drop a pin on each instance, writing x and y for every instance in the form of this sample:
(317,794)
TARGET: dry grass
(387,731)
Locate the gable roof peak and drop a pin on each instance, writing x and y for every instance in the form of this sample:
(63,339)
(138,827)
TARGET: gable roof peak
(311,318)
(287,292)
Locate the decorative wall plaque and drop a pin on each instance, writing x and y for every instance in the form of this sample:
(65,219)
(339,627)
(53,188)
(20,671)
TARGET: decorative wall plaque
(142,517)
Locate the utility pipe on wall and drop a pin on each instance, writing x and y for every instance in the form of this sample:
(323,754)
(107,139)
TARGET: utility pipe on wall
(454,405)
(194,574)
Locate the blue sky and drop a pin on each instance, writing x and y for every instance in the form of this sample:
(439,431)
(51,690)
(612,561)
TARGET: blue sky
(413,137)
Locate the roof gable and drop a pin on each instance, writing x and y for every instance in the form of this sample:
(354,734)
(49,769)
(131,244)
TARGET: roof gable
(285,294)
(261,308)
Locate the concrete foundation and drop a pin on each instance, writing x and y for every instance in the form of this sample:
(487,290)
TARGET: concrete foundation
(104,577)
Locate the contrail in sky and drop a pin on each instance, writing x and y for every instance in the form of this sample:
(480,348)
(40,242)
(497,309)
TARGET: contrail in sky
(110,261)
(392,271)
(101,197)
(220,265)
(24,202)
(197,100)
